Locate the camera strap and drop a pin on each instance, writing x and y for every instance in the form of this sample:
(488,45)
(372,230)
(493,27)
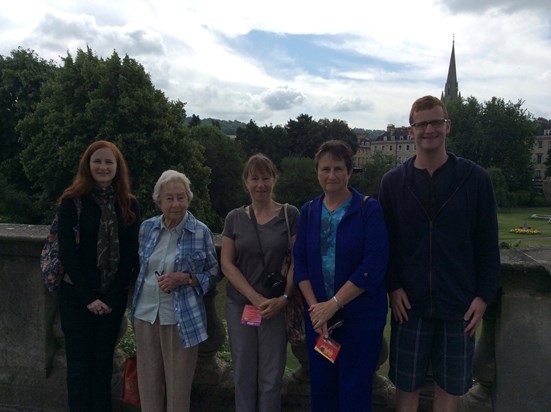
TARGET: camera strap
(253,220)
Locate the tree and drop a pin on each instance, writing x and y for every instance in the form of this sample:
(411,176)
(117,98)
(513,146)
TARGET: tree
(195,121)
(297,182)
(369,181)
(495,134)
(503,197)
(225,160)
(277,143)
(251,139)
(90,98)
(304,136)
(21,77)
(338,129)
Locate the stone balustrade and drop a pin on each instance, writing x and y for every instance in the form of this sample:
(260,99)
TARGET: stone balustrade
(512,360)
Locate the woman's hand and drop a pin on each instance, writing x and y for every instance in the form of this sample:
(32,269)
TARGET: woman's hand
(97,307)
(170,281)
(320,313)
(270,308)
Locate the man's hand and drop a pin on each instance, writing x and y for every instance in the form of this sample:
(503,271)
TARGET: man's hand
(474,315)
(399,304)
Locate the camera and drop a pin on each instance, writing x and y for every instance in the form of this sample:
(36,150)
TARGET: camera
(275,283)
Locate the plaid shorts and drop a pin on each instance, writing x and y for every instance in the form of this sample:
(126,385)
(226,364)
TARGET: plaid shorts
(420,342)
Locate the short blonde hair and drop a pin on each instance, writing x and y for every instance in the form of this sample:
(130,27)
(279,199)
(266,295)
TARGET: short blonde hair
(169,176)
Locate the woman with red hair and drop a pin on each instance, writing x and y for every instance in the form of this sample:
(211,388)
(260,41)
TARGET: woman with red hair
(99,267)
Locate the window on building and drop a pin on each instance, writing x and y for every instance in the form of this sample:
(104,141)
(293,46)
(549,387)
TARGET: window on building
(539,158)
(540,144)
(547,132)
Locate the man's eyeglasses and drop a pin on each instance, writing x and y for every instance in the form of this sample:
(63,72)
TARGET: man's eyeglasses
(434,123)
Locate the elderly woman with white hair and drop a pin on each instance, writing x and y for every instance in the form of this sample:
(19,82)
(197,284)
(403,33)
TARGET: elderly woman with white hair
(178,265)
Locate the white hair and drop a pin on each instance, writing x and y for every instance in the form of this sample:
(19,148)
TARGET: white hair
(171,176)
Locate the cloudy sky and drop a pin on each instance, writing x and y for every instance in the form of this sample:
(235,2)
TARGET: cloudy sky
(270,61)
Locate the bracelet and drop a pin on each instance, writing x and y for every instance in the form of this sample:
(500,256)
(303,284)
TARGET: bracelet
(337,302)
(286,296)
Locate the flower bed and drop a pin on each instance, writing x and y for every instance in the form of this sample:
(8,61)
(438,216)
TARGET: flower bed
(525,231)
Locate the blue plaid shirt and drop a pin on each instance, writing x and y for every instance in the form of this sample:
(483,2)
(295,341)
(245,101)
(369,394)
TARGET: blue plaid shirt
(195,253)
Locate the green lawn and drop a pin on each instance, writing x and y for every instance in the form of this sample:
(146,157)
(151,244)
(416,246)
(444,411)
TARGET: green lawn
(521,217)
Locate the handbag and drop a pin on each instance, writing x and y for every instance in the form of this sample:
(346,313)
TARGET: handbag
(294,310)
(130,393)
(287,260)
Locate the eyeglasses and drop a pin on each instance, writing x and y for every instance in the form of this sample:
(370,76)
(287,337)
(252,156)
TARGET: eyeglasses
(434,123)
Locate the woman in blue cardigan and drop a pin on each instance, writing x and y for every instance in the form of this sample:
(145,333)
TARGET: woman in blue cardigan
(341,255)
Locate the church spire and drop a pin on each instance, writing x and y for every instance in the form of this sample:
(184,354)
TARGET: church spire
(451,89)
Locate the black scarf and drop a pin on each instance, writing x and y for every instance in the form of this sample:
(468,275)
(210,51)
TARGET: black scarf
(108,236)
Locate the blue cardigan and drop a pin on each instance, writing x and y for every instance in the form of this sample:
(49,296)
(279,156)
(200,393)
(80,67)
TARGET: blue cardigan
(361,256)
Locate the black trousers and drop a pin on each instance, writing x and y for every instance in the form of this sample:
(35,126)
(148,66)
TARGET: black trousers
(89,345)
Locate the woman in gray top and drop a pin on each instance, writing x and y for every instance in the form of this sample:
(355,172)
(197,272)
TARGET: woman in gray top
(254,245)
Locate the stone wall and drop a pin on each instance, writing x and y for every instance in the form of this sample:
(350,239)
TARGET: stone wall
(512,362)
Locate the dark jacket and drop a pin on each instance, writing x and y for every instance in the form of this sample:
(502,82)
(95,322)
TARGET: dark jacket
(442,262)
(81,264)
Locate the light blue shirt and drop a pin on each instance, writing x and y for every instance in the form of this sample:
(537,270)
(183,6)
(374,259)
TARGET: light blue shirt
(328,236)
(195,252)
(153,301)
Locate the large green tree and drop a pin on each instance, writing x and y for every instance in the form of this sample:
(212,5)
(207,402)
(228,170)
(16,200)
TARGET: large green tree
(306,134)
(369,180)
(495,134)
(113,99)
(21,77)
(269,140)
(297,181)
(225,159)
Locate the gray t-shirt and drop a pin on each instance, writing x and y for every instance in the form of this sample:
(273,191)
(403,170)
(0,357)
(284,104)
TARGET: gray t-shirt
(248,258)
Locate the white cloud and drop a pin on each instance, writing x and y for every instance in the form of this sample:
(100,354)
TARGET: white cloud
(400,51)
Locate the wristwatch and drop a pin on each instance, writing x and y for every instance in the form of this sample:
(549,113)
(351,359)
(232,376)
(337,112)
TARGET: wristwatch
(190,280)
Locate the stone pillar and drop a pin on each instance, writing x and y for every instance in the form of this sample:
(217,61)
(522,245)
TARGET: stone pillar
(383,390)
(210,368)
(29,377)
(523,332)
(480,397)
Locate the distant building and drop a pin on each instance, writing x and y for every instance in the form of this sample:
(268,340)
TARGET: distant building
(395,142)
(540,154)
(451,89)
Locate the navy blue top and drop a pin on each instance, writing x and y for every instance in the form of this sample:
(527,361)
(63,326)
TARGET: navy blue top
(445,257)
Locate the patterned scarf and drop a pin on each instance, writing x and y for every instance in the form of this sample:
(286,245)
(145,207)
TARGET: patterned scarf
(108,236)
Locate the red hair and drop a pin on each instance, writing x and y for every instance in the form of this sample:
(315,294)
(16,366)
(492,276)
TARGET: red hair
(83,182)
